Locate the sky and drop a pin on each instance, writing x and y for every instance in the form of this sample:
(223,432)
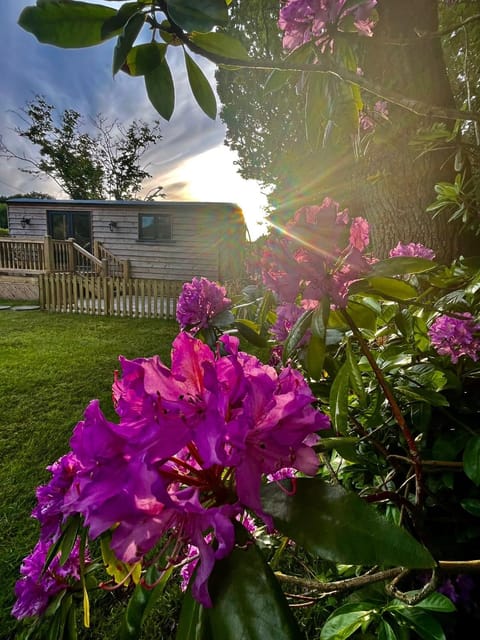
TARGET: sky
(191,161)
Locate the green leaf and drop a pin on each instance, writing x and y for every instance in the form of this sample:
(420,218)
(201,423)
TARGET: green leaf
(145,58)
(315,357)
(402,265)
(425,625)
(337,525)
(248,601)
(423,395)
(126,40)
(67,24)
(385,631)
(436,602)
(339,399)
(223,319)
(116,24)
(340,626)
(355,376)
(472,505)
(193,622)
(278,77)
(249,330)
(471,460)
(192,15)
(140,603)
(160,89)
(201,89)
(363,315)
(389,288)
(220,44)
(296,334)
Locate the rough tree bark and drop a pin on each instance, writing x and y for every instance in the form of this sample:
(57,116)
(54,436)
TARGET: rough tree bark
(396,184)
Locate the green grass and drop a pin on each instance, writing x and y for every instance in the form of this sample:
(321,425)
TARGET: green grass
(51,366)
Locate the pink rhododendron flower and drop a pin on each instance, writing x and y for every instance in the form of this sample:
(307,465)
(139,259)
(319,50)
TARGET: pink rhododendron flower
(456,337)
(188,454)
(199,302)
(413,250)
(306,20)
(316,256)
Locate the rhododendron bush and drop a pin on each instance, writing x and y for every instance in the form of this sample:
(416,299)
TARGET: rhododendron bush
(313,442)
(335,440)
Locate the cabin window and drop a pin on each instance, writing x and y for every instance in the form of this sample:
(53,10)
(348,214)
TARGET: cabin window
(154,227)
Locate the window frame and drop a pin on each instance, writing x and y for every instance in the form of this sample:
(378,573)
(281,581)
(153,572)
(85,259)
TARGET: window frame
(167,217)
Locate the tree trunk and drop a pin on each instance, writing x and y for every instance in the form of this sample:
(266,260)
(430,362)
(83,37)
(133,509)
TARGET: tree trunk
(397,182)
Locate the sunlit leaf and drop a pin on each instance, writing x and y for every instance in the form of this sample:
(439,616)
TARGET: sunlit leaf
(220,44)
(341,527)
(67,24)
(144,58)
(160,89)
(343,625)
(402,265)
(117,23)
(192,15)
(315,355)
(201,88)
(125,41)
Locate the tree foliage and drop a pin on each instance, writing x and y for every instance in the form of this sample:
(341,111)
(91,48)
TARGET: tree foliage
(100,165)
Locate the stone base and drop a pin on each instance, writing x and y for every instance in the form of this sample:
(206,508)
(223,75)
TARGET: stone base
(19,287)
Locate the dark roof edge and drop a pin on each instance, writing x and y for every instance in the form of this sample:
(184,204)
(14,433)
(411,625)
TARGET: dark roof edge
(121,203)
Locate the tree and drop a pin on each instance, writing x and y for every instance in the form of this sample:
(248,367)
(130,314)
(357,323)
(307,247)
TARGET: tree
(378,172)
(102,165)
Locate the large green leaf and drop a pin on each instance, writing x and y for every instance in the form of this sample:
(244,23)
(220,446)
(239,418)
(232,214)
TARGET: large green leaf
(193,622)
(160,89)
(425,625)
(140,603)
(144,58)
(247,600)
(339,399)
(201,89)
(126,39)
(402,265)
(388,288)
(67,24)
(341,527)
(192,15)
(315,357)
(344,622)
(220,44)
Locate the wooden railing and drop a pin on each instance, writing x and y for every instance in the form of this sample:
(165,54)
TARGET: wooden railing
(113,266)
(22,256)
(103,295)
(45,255)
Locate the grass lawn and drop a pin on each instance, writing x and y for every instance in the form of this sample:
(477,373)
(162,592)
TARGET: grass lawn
(51,366)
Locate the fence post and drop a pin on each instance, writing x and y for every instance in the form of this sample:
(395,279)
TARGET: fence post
(48,257)
(126,268)
(104,267)
(96,248)
(70,255)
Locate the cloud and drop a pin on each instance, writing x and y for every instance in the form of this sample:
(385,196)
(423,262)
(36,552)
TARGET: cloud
(82,80)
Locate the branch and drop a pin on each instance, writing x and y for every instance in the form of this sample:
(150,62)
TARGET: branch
(416,107)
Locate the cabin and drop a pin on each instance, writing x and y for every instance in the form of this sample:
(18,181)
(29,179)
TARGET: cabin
(151,240)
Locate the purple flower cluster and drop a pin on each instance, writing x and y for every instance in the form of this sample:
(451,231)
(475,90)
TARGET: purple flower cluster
(456,337)
(37,587)
(200,302)
(320,253)
(306,20)
(188,454)
(412,250)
